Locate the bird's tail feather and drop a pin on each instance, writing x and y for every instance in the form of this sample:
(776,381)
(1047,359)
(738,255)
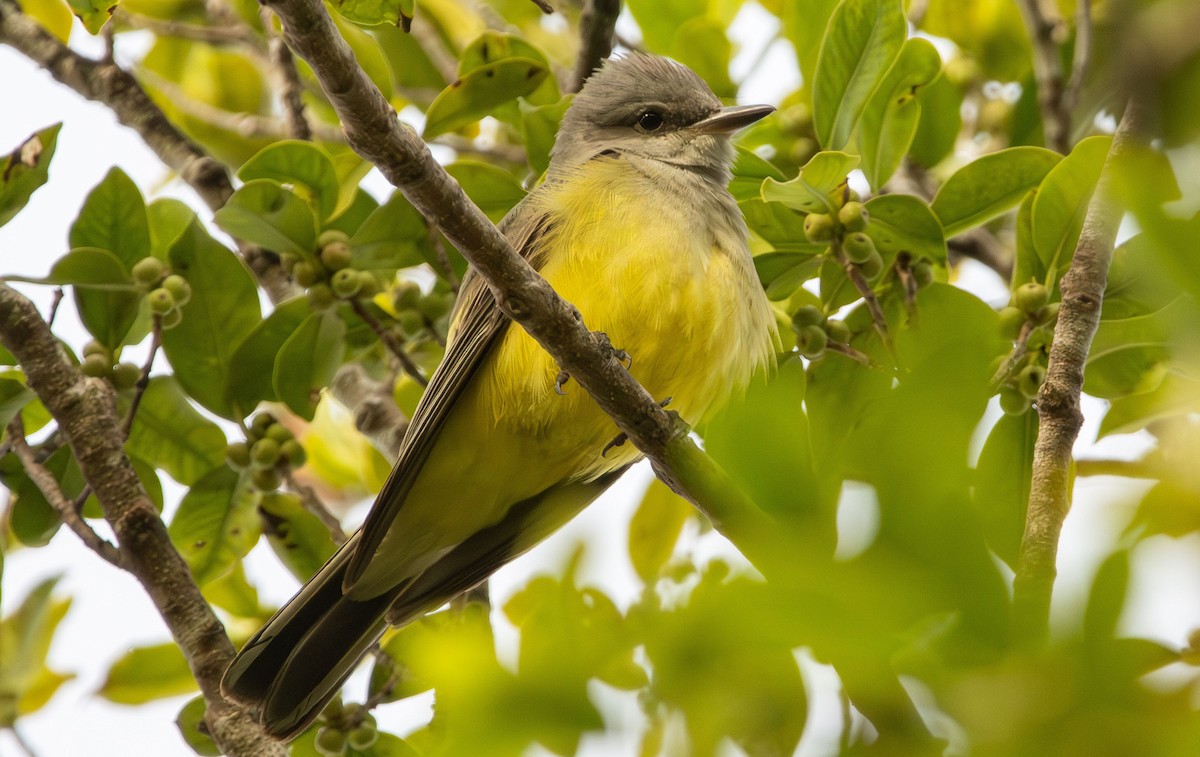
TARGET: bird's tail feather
(295,664)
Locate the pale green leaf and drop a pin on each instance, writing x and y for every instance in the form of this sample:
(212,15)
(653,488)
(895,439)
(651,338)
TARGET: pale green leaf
(990,185)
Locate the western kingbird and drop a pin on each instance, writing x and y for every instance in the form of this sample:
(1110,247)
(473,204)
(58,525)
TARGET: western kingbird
(635,226)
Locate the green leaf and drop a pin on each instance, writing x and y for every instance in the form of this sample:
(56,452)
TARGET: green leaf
(169,219)
(25,169)
(216,523)
(194,730)
(1062,201)
(1003,477)
(144,674)
(371,12)
(307,362)
(92,13)
(861,42)
(749,172)
(31,517)
(266,214)
(234,594)
(938,131)
(655,529)
(1107,598)
(905,223)
(539,126)
(1130,355)
(889,120)
(169,433)
(223,310)
(1026,265)
(352,217)
(105,296)
(478,93)
(991,185)
(300,540)
(113,218)
(493,46)
(782,273)
(659,20)
(303,165)
(493,189)
(14,395)
(781,227)
(25,638)
(253,363)
(392,237)
(813,189)
(1176,395)
(701,44)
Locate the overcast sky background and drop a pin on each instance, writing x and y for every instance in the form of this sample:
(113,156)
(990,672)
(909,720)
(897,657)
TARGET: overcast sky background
(111,613)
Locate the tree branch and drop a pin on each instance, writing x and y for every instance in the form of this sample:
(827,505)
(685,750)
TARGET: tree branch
(107,83)
(1058,401)
(1048,71)
(288,78)
(596,29)
(388,337)
(373,130)
(48,486)
(86,413)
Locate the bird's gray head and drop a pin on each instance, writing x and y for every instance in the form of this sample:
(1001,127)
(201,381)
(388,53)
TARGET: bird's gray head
(652,108)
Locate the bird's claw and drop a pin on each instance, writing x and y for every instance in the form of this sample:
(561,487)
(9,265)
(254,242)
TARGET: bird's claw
(621,438)
(560,381)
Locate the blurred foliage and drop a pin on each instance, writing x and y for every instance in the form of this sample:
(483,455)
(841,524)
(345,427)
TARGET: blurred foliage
(913,132)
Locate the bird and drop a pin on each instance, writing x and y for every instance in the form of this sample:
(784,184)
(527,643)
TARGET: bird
(634,225)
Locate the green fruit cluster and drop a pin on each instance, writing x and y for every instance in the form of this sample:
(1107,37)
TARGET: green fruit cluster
(98,363)
(345,727)
(166,292)
(269,451)
(327,275)
(416,310)
(814,332)
(1030,303)
(847,228)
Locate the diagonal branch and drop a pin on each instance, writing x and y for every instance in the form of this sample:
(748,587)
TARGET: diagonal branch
(597,26)
(374,132)
(86,413)
(1048,71)
(48,486)
(1058,401)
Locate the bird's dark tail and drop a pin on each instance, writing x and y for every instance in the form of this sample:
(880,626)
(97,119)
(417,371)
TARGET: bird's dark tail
(296,663)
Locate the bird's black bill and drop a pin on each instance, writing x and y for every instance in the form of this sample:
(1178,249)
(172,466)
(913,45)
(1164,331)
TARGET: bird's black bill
(729,120)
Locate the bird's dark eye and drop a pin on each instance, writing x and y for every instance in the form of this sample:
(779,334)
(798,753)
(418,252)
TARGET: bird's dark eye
(651,120)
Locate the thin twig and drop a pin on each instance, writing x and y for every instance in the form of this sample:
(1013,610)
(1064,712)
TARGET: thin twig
(290,86)
(389,339)
(48,486)
(1048,71)
(464,146)
(868,295)
(1125,468)
(54,303)
(1058,400)
(234,34)
(442,256)
(313,503)
(1009,366)
(1081,57)
(847,351)
(431,43)
(250,125)
(144,378)
(544,6)
(596,25)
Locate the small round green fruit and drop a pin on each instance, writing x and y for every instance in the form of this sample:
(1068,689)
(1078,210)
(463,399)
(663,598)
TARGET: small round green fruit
(922,272)
(266,479)
(172,319)
(96,366)
(363,737)
(1012,402)
(1048,314)
(346,283)
(161,301)
(305,274)
(838,332)
(265,453)
(1031,297)
(278,432)
(336,256)
(1030,380)
(331,236)
(368,284)
(812,341)
(293,452)
(818,227)
(321,297)
(858,247)
(853,216)
(179,288)
(1011,321)
(237,454)
(809,315)
(148,271)
(872,266)
(94,347)
(406,295)
(126,375)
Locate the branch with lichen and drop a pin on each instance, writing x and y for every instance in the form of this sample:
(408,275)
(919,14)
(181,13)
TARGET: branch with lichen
(374,132)
(85,410)
(1058,402)
(597,25)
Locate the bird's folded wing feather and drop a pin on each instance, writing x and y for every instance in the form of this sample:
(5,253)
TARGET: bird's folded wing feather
(478,325)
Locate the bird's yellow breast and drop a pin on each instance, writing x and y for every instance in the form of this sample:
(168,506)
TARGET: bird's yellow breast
(671,286)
